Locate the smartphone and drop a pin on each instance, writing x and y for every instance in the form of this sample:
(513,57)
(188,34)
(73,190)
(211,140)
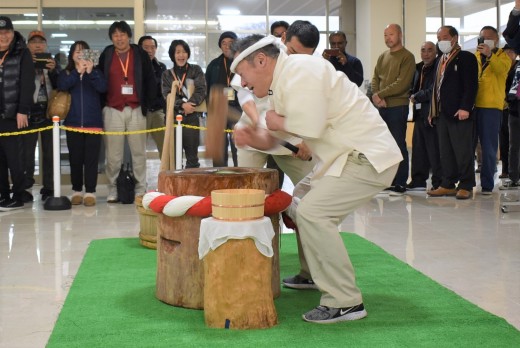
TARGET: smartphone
(480,40)
(90,54)
(41,59)
(333,52)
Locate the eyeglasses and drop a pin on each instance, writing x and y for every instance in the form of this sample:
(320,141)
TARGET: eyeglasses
(37,41)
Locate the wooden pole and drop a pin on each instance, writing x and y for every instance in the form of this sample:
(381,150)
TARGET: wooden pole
(168,150)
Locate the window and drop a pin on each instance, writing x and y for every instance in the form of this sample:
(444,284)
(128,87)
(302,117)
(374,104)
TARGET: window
(468,17)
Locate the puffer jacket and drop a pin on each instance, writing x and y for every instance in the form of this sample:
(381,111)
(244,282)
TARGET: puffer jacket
(18,87)
(85,106)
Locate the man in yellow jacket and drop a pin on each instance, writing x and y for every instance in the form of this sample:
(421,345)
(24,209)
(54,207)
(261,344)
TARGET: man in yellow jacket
(493,66)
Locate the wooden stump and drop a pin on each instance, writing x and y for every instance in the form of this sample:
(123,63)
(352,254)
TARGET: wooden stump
(148,225)
(180,273)
(237,289)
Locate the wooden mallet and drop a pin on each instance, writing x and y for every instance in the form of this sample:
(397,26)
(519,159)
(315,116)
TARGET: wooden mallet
(216,122)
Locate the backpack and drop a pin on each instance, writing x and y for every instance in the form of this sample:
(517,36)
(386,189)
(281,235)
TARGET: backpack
(125,184)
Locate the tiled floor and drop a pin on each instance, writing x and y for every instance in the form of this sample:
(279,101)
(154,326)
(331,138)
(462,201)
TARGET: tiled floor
(468,246)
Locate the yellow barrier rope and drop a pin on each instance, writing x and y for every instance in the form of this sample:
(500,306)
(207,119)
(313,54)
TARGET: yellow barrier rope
(26,131)
(79,130)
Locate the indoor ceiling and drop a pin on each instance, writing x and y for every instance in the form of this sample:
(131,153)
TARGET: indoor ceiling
(98,34)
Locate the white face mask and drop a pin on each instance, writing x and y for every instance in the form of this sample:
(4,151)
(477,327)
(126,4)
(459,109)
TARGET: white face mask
(444,46)
(490,43)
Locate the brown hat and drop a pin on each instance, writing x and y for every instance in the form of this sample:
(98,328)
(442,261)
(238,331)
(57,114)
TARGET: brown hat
(6,23)
(36,33)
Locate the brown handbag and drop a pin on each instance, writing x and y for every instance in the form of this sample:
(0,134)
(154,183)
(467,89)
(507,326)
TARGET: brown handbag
(59,104)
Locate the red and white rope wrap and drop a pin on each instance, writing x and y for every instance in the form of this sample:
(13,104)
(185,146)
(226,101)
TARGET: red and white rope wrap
(175,206)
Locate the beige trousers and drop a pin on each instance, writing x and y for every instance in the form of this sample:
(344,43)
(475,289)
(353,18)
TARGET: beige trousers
(120,121)
(155,119)
(295,168)
(318,215)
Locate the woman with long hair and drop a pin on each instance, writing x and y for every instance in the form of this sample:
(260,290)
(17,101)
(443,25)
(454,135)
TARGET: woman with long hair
(190,91)
(85,84)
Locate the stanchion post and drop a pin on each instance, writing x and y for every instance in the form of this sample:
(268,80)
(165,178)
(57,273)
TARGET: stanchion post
(178,143)
(57,202)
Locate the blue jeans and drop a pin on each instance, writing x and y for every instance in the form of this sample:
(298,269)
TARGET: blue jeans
(488,127)
(396,119)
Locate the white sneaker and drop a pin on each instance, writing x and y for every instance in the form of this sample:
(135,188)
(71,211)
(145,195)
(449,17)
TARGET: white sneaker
(112,199)
(112,196)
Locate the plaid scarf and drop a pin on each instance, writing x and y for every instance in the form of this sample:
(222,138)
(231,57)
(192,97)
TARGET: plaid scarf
(514,91)
(444,61)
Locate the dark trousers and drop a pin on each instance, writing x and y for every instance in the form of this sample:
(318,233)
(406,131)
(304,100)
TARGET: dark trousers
(83,156)
(514,144)
(29,142)
(396,119)
(457,151)
(504,141)
(10,160)
(488,126)
(228,142)
(425,155)
(191,140)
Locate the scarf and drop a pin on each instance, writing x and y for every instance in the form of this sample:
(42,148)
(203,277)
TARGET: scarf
(514,91)
(444,61)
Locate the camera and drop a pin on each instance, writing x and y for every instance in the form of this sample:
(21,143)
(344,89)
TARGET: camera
(480,40)
(89,54)
(333,52)
(41,60)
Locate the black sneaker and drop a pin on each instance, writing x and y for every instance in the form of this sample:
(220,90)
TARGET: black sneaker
(11,204)
(509,185)
(27,197)
(397,190)
(329,315)
(414,187)
(386,190)
(46,193)
(4,199)
(300,283)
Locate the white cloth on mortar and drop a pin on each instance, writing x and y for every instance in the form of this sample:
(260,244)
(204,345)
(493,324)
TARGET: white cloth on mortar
(214,233)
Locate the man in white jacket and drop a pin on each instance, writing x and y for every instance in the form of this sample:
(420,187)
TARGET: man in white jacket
(356,157)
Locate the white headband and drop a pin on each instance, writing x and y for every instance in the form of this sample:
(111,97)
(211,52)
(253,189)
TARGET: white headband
(268,40)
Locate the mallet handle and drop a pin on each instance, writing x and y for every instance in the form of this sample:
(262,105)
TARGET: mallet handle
(291,147)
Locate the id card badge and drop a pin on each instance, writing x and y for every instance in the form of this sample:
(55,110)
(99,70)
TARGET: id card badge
(230,92)
(127,89)
(418,106)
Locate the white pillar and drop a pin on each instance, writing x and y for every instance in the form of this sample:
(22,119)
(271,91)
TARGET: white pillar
(372,17)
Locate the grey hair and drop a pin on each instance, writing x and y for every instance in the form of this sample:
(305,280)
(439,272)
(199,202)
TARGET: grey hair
(242,44)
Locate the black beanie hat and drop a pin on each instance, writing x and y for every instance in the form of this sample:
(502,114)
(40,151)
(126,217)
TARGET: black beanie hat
(226,35)
(6,23)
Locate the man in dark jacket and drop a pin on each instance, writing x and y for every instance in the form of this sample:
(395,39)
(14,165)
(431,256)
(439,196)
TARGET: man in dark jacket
(131,90)
(218,72)
(454,92)
(512,31)
(425,144)
(16,92)
(343,61)
(45,81)
(156,112)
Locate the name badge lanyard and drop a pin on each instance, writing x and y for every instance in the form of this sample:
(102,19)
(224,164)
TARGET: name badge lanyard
(3,58)
(422,78)
(228,73)
(125,66)
(181,82)
(229,91)
(2,65)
